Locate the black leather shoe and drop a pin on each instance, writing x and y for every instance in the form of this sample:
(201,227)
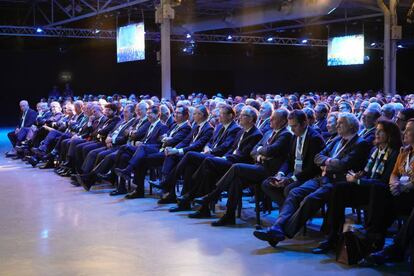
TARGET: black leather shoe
(135,194)
(387,255)
(272,235)
(123,173)
(48,165)
(33,161)
(67,173)
(324,247)
(110,177)
(85,180)
(204,212)
(168,199)
(225,220)
(116,192)
(205,200)
(183,205)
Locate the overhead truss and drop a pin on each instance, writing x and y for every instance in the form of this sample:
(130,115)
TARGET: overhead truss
(199,38)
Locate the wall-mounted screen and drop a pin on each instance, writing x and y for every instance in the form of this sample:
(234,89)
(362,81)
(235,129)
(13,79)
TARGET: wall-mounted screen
(346,50)
(130,43)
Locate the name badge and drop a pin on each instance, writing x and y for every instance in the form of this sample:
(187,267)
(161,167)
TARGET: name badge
(298,165)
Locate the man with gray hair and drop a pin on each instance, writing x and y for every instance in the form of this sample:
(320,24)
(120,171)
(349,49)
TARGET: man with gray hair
(265,112)
(346,153)
(27,119)
(388,111)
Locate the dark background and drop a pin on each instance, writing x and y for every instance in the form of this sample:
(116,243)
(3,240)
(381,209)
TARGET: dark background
(31,66)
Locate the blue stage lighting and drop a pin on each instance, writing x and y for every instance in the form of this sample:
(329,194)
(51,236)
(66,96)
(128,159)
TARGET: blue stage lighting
(39,30)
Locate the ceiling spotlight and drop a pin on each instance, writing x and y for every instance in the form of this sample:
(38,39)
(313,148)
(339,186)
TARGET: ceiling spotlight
(304,41)
(185,50)
(188,36)
(229,37)
(269,39)
(373,44)
(39,30)
(400,46)
(97,31)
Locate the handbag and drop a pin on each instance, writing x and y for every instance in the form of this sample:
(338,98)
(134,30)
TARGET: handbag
(352,247)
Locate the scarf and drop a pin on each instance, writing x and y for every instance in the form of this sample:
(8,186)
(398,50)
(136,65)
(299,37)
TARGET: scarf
(376,163)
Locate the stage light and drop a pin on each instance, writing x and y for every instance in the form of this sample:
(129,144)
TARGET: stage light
(400,46)
(229,37)
(97,31)
(331,11)
(373,44)
(39,30)
(269,39)
(185,50)
(304,41)
(188,36)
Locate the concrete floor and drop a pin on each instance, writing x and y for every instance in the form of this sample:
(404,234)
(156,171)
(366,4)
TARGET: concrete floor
(49,227)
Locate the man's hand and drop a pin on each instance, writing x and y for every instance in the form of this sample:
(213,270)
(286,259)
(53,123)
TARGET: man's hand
(395,188)
(171,151)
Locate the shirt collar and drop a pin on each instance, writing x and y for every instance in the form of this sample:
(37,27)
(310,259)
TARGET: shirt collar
(155,123)
(202,124)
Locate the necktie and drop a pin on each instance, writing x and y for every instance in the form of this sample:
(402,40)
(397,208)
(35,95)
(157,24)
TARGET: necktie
(298,154)
(149,132)
(196,133)
(219,136)
(174,130)
(272,138)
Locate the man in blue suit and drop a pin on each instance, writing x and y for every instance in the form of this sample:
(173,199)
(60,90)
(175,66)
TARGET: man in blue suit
(199,136)
(152,138)
(220,144)
(27,119)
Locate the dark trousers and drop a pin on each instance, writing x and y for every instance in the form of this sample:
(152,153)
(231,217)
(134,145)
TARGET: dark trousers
(17,138)
(302,203)
(50,140)
(344,194)
(151,161)
(90,160)
(207,175)
(186,167)
(236,179)
(277,194)
(104,163)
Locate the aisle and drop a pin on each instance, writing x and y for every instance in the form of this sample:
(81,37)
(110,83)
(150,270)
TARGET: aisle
(49,227)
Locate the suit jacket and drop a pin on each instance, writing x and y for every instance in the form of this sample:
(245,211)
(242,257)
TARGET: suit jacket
(221,142)
(190,144)
(170,121)
(313,144)
(122,129)
(178,136)
(153,139)
(62,124)
(353,157)
(247,141)
(29,118)
(95,126)
(140,128)
(107,127)
(76,123)
(276,151)
(322,126)
(54,118)
(264,126)
(41,119)
(369,136)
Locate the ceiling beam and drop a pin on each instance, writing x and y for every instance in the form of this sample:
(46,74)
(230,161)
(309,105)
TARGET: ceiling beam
(98,11)
(323,22)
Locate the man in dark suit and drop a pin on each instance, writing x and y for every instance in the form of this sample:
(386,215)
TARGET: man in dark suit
(347,152)
(200,134)
(299,166)
(105,162)
(369,121)
(96,122)
(213,168)
(151,139)
(219,144)
(110,112)
(269,154)
(263,122)
(321,114)
(116,138)
(27,119)
(178,131)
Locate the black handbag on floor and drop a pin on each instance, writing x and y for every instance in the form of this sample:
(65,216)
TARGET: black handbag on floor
(352,247)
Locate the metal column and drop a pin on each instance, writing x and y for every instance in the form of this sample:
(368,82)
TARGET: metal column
(164,15)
